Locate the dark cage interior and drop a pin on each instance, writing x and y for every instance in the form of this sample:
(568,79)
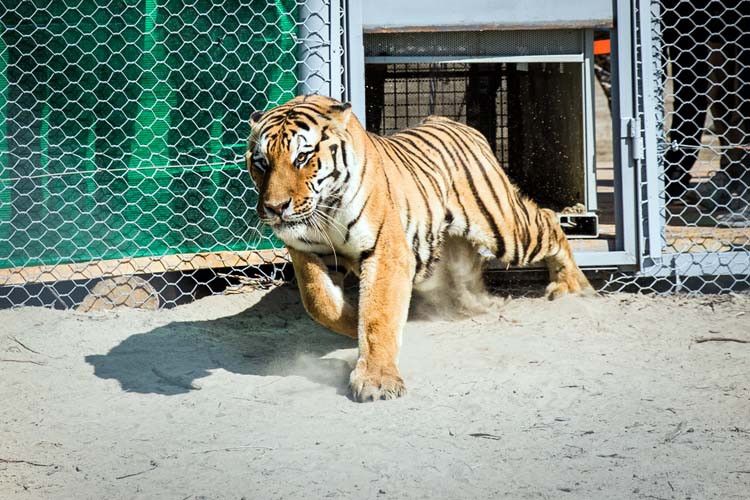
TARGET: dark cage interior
(531,114)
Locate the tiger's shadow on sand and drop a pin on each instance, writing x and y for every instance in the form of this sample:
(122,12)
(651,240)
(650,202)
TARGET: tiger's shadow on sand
(274,337)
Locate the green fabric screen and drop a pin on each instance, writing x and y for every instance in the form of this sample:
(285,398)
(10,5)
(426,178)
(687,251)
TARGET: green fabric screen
(122,124)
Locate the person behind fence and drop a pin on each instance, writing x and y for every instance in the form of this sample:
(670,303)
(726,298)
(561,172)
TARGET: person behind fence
(707,48)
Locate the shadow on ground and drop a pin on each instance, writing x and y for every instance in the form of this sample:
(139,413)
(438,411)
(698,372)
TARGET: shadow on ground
(273,337)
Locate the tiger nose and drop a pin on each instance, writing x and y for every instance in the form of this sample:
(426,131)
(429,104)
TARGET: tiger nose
(278,208)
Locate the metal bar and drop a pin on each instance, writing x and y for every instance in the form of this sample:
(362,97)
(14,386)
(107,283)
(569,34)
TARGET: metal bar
(314,53)
(140,265)
(605,259)
(655,216)
(355,58)
(553,58)
(443,15)
(634,132)
(589,121)
(597,23)
(336,50)
(585,259)
(708,147)
(626,232)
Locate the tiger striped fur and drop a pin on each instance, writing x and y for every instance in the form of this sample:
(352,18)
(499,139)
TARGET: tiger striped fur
(386,208)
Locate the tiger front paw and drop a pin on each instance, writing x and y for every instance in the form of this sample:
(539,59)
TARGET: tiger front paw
(374,383)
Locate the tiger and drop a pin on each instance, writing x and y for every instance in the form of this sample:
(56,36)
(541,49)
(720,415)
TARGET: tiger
(398,212)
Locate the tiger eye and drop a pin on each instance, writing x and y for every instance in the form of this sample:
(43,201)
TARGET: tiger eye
(301,157)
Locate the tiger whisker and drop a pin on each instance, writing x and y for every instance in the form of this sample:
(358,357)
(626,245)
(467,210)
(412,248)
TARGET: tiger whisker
(338,209)
(338,226)
(323,219)
(316,224)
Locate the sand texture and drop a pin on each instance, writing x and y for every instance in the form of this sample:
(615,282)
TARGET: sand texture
(244,396)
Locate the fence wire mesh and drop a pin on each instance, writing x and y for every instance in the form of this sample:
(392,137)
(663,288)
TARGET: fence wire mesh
(706,68)
(693,71)
(123,126)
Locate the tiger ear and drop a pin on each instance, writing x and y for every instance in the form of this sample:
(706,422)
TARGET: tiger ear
(255,118)
(341,113)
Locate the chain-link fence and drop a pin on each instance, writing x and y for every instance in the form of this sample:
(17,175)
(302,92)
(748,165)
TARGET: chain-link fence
(693,102)
(123,126)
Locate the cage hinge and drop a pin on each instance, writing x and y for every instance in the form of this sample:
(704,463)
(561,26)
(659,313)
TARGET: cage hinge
(630,129)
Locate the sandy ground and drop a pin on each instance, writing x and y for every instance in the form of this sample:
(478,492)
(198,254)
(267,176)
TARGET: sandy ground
(244,396)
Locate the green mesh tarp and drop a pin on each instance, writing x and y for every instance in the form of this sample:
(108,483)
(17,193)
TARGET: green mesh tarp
(122,125)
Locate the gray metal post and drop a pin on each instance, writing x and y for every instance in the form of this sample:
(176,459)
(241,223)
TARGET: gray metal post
(336,25)
(313,50)
(650,49)
(624,127)
(355,58)
(589,122)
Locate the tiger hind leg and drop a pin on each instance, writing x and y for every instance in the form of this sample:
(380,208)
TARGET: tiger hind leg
(564,274)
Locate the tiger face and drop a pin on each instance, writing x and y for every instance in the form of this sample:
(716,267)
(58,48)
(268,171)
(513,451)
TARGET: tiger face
(296,159)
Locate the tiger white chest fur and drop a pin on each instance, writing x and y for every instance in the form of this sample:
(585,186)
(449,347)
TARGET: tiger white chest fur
(341,231)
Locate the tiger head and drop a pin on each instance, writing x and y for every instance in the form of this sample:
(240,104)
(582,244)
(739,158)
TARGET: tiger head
(298,158)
